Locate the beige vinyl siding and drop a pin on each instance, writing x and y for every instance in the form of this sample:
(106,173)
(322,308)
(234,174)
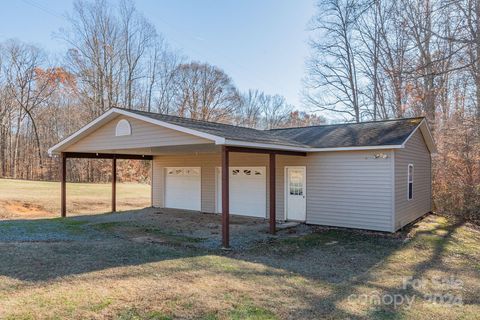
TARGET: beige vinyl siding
(416,153)
(350,189)
(209,163)
(144,135)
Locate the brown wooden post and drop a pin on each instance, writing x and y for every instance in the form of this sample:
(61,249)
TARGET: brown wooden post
(225,199)
(272,202)
(114,184)
(63,180)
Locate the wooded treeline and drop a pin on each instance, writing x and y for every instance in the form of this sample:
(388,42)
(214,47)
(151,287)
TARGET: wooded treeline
(380,59)
(116,57)
(371,60)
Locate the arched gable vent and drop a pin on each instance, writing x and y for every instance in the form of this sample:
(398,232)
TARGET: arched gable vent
(123,128)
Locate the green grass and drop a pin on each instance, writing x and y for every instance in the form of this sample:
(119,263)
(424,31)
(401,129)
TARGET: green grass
(250,312)
(133,229)
(134,314)
(108,226)
(97,269)
(101,305)
(326,238)
(37,199)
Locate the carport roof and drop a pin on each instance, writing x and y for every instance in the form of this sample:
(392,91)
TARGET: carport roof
(386,134)
(375,133)
(365,134)
(226,131)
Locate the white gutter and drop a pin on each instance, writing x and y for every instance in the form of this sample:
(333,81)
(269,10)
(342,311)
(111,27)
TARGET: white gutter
(68,140)
(216,139)
(65,141)
(305,149)
(239,143)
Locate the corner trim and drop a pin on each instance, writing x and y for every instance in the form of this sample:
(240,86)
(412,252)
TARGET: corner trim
(428,138)
(394,213)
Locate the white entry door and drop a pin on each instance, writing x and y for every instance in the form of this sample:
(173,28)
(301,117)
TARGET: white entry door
(295,193)
(183,188)
(248,191)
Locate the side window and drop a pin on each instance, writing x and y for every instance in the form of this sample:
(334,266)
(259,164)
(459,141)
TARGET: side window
(410,181)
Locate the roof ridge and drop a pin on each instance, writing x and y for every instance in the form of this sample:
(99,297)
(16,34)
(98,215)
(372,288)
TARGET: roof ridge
(202,122)
(190,119)
(267,130)
(347,123)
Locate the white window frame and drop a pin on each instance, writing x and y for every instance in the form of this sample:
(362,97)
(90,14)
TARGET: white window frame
(123,128)
(410,165)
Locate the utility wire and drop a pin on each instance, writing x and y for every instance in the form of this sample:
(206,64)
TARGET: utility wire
(43,8)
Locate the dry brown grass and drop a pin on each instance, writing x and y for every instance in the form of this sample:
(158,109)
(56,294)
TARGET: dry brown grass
(103,272)
(37,199)
(19,209)
(290,277)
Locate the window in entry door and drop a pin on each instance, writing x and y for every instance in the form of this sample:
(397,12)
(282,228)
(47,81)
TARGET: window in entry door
(296,183)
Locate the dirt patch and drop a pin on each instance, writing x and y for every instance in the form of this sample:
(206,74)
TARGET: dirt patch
(147,233)
(302,273)
(25,210)
(149,239)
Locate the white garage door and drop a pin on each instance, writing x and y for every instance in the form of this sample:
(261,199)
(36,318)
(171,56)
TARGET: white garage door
(183,188)
(248,191)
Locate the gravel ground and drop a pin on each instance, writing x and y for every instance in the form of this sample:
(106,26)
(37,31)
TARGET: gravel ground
(195,229)
(48,230)
(167,264)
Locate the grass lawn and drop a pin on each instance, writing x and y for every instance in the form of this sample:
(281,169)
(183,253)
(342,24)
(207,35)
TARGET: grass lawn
(34,199)
(97,267)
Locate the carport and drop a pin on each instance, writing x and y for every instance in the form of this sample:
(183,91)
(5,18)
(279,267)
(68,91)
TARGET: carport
(125,134)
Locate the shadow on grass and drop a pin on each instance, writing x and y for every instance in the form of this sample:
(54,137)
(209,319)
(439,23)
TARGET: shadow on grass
(341,260)
(46,249)
(350,261)
(431,247)
(434,244)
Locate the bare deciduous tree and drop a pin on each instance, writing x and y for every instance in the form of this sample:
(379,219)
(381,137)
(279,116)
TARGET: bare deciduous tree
(250,112)
(138,37)
(371,59)
(414,58)
(28,86)
(333,78)
(263,111)
(94,57)
(204,92)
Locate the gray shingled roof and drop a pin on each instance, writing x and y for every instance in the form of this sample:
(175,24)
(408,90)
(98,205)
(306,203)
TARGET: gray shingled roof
(375,133)
(223,130)
(378,133)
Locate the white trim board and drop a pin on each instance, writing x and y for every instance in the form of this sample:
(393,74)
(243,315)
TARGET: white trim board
(392,164)
(56,149)
(84,130)
(306,149)
(238,143)
(427,136)
(218,140)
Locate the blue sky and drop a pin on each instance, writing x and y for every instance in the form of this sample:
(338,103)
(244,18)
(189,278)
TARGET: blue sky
(259,43)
